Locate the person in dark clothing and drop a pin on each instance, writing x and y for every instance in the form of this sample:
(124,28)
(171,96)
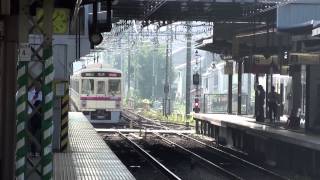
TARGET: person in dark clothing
(35,99)
(260,103)
(35,126)
(273,101)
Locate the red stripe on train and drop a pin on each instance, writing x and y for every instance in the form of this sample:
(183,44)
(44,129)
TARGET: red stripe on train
(100,98)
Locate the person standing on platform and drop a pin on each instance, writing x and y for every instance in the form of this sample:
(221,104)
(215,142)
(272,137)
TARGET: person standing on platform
(260,104)
(273,101)
(35,99)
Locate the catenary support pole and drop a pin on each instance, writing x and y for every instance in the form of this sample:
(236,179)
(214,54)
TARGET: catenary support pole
(188,70)
(230,94)
(239,86)
(166,85)
(129,73)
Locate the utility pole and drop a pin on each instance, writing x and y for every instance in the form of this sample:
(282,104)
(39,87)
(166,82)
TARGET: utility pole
(170,70)
(166,85)
(153,71)
(188,70)
(156,70)
(119,59)
(129,72)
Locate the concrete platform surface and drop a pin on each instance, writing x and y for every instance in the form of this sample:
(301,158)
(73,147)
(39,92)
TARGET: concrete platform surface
(88,157)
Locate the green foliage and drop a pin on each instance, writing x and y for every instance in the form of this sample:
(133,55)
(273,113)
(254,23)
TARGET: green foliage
(174,118)
(145,61)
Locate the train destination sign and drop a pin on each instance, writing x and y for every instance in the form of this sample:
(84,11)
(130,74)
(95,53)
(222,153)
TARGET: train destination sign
(101,74)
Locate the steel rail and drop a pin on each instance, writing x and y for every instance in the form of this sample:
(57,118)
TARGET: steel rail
(146,119)
(159,123)
(235,157)
(153,160)
(136,124)
(226,172)
(243,161)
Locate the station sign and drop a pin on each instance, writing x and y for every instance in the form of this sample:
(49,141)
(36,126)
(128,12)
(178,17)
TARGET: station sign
(25,52)
(304,58)
(60,88)
(100,74)
(226,57)
(258,64)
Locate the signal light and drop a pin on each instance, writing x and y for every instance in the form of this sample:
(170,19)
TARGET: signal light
(196,107)
(196,79)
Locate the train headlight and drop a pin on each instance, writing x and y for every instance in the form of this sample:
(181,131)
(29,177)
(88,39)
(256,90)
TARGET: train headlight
(83,103)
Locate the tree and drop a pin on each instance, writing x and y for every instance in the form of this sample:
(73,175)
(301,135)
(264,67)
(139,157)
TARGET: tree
(143,62)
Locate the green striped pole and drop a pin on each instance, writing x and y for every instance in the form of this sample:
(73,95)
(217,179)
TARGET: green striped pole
(47,127)
(48,75)
(21,99)
(21,103)
(64,120)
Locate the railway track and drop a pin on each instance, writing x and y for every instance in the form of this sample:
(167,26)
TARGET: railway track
(227,163)
(138,121)
(171,162)
(165,171)
(225,167)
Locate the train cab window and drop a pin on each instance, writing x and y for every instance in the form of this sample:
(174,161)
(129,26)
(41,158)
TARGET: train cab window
(101,89)
(114,86)
(87,86)
(77,86)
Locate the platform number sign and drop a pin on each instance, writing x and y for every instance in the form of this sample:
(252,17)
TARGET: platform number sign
(25,52)
(60,20)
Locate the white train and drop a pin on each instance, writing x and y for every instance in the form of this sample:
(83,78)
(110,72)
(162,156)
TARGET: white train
(96,91)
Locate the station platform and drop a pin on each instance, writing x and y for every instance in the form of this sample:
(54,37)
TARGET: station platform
(249,125)
(88,156)
(275,146)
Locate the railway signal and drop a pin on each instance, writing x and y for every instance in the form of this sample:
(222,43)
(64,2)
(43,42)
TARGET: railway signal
(196,79)
(196,107)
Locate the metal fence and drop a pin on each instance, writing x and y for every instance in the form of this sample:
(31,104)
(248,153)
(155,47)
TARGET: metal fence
(218,103)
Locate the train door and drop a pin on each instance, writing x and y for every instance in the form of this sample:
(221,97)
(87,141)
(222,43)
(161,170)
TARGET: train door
(101,93)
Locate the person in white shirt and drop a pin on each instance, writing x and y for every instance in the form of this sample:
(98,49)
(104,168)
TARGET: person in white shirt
(34,95)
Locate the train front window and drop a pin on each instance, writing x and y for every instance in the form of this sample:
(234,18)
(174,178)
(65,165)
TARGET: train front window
(114,86)
(87,86)
(101,87)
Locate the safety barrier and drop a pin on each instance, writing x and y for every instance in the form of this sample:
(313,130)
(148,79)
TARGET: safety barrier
(64,120)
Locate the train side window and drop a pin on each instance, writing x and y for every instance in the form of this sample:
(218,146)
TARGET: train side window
(87,86)
(101,87)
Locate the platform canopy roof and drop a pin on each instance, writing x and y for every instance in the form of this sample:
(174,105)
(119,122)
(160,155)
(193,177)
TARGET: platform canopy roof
(190,10)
